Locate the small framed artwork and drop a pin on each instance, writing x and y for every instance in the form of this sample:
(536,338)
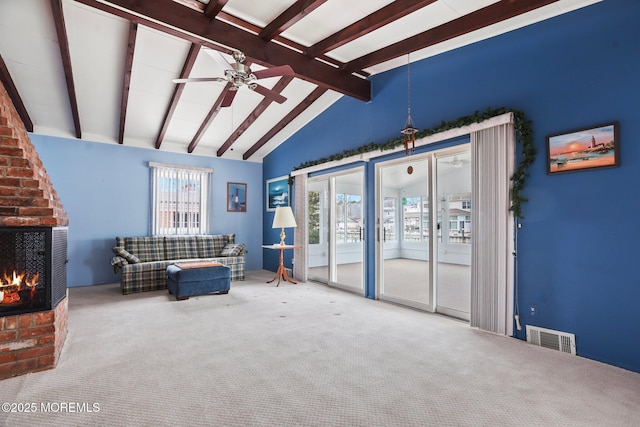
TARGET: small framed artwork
(236,197)
(590,148)
(277,192)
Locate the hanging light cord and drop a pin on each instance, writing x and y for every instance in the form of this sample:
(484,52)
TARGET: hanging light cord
(409,89)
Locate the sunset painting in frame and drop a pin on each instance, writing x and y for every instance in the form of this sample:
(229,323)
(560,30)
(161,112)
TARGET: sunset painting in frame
(590,148)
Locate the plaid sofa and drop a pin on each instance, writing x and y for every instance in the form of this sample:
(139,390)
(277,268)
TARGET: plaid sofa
(144,260)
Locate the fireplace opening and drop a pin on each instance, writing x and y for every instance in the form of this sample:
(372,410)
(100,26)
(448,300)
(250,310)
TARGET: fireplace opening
(32,268)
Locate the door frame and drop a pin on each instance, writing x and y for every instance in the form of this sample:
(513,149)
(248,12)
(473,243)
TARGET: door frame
(379,244)
(431,157)
(452,151)
(331,243)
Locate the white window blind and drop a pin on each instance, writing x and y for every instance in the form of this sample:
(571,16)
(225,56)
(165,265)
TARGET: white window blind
(300,201)
(493,157)
(179,199)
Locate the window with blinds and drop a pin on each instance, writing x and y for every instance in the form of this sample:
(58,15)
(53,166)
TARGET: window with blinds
(179,199)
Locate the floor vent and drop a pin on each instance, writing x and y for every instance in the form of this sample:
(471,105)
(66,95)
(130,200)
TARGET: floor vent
(555,340)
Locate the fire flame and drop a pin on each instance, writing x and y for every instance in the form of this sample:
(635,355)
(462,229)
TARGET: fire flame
(11,284)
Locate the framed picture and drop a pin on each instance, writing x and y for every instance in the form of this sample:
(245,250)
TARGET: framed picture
(277,192)
(236,197)
(590,148)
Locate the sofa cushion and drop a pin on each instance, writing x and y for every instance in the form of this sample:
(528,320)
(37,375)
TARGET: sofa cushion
(180,247)
(146,248)
(233,249)
(121,252)
(210,246)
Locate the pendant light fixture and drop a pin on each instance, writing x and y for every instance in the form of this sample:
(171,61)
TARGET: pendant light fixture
(409,130)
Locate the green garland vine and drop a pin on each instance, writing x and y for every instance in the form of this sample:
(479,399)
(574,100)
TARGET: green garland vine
(523,131)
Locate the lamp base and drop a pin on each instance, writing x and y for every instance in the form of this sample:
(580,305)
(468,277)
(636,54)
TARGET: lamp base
(282,236)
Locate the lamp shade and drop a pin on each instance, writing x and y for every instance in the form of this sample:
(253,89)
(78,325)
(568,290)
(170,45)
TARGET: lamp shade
(284,218)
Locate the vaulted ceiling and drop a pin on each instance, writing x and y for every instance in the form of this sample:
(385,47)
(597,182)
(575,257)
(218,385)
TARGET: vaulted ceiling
(104,70)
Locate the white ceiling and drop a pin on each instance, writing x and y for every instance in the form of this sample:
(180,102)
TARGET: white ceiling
(98,40)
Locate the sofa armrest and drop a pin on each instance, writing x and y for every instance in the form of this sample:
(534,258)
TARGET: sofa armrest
(233,249)
(122,258)
(122,253)
(117,262)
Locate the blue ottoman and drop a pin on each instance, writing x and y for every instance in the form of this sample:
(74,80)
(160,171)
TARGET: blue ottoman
(198,278)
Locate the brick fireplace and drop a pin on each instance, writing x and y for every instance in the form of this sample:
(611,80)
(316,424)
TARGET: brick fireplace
(33,252)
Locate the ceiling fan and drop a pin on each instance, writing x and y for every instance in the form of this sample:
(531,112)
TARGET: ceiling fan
(239,74)
(456,162)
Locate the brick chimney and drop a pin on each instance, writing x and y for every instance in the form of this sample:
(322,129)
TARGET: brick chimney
(27,197)
(30,341)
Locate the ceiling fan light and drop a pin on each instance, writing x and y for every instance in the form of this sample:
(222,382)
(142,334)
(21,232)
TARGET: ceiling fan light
(456,162)
(239,74)
(238,56)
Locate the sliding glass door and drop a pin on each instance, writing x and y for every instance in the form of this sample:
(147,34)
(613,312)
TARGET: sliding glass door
(336,229)
(423,253)
(318,206)
(348,231)
(404,232)
(454,234)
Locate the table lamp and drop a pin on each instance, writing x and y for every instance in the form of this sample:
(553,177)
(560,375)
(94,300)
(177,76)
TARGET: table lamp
(284,218)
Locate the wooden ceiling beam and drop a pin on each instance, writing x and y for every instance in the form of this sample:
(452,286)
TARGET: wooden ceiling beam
(214,7)
(177,92)
(215,109)
(128,66)
(278,87)
(286,19)
(193,4)
(10,87)
(255,29)
(473,21)
(306,103)
(286,42)
(381,17)
(63,43)
(189,24)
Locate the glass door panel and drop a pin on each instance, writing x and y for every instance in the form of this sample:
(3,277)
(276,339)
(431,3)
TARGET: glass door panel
(455,234)
(318,229)
(404,227)
(349,230)
(335,230)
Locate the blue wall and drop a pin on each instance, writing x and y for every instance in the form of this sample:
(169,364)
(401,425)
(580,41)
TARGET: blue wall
(578,245)
(105,191)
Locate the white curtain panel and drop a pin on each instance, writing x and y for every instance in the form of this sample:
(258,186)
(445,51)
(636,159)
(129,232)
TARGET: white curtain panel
(300,235)
(493,159)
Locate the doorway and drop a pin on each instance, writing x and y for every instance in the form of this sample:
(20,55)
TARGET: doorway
(424,253)
(335,231)
(404,232)
(453,272)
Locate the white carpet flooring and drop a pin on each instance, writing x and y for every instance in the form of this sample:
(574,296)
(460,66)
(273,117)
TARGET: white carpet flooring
(305,355)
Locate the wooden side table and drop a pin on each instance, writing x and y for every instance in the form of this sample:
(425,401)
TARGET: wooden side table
(281,273)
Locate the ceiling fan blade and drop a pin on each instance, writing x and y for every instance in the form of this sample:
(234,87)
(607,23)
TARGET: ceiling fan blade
(282,70)
(268,93)
(228,98)
(199,79)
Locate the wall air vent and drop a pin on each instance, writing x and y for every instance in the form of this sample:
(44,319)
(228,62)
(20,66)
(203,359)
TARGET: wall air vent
(555,340)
